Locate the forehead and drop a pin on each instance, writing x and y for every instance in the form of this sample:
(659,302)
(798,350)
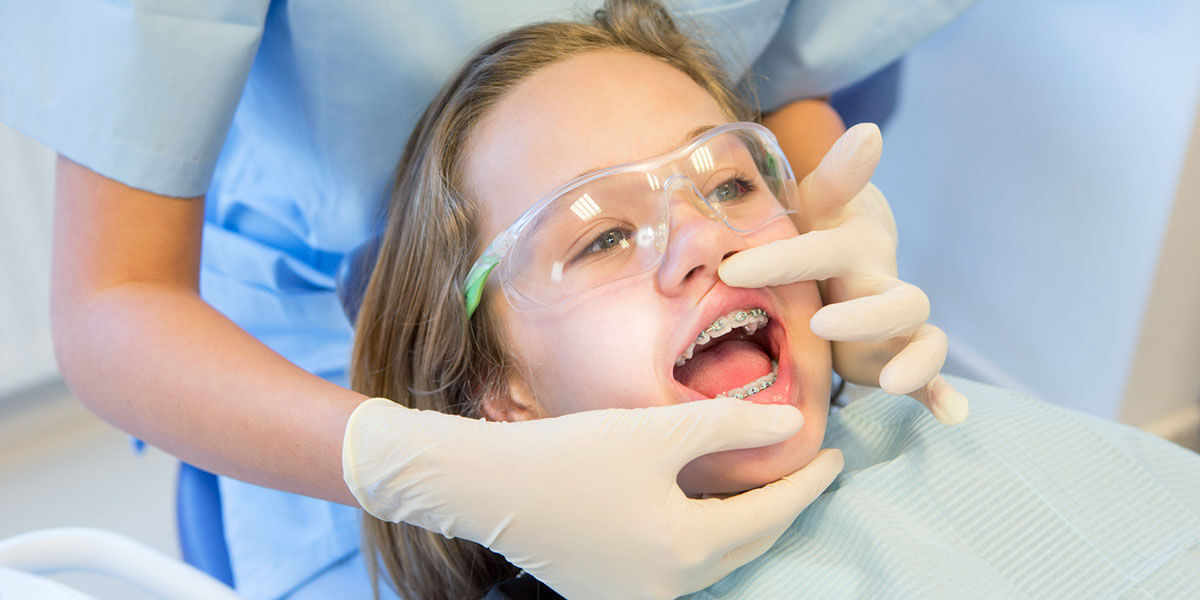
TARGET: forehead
(583,113)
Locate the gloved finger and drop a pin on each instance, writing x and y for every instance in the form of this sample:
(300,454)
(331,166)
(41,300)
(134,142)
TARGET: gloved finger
(841,174)
(897,311)
(747,552)
(697,428)
(917,364)
(766,512)
(947,404)
(873,203)
(809,256)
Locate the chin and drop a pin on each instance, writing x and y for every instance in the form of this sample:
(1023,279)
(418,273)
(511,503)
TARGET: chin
(734,471)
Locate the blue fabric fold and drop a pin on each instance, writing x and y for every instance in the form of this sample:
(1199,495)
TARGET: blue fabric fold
(1023,500)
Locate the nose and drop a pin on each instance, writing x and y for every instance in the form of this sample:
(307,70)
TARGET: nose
(697,243)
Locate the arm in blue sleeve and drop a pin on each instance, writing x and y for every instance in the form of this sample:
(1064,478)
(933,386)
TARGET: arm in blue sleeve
(825,45)
(142,92)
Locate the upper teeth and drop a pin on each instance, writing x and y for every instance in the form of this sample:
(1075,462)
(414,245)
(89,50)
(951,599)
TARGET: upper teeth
(750,319)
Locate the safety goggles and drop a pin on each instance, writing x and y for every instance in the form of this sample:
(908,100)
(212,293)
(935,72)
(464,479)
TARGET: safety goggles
(614,223)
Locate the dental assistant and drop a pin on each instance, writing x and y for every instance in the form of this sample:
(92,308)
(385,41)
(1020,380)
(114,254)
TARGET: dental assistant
(218,160)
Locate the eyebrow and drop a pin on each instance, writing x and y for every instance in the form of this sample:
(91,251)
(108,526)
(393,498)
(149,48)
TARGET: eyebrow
(697,132)
(691,135)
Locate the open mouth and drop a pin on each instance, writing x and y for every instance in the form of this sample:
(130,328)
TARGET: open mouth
(733,357)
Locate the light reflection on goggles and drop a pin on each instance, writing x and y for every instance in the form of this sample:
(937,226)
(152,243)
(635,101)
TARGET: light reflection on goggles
(614,223)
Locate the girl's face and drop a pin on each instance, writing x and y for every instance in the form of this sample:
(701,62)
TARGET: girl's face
(617,346)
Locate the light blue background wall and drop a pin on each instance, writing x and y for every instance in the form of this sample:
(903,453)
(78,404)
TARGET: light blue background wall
(1032,165)
(26,189)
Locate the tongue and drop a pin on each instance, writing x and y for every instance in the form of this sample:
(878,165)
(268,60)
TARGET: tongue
(724,366)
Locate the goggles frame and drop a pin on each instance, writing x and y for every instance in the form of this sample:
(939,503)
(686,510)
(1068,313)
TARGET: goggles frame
(503,243)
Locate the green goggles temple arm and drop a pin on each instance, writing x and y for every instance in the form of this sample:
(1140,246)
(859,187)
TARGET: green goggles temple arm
(473,288)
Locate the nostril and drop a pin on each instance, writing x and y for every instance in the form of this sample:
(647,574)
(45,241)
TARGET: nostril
(698,269)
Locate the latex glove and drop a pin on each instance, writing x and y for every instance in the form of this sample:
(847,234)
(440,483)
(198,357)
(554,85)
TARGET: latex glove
(587,502)
(876,321)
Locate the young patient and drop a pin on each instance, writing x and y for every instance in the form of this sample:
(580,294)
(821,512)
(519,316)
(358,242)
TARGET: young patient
(552,247)
(609,296)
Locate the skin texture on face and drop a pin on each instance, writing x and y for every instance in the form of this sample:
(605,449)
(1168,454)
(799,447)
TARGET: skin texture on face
(615,346)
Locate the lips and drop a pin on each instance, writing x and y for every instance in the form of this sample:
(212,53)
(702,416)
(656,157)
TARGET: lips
(729,357)
(735,348)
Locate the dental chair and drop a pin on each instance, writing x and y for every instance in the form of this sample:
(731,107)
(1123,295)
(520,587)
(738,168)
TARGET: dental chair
(198,498)
(27,559)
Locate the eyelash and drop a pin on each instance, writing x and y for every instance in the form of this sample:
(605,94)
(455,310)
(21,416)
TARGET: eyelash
(585,252)
(740,178)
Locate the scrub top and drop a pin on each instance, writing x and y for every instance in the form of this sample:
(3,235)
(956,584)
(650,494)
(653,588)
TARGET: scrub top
(1023,500)
(290,116)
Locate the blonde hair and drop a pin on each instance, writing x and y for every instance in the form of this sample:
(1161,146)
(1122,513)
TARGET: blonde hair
(414,343)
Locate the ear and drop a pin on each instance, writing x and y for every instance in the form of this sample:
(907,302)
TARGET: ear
(515,403)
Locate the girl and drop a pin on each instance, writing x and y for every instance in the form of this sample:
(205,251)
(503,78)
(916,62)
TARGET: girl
(559,218)
(642,90)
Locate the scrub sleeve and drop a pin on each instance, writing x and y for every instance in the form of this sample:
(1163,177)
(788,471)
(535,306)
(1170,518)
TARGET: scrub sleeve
(290,118)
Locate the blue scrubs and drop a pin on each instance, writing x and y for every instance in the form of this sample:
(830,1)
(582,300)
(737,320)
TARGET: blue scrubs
(290,116)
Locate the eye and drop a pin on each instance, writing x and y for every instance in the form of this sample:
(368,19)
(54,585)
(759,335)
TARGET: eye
(732,190)
(607,241)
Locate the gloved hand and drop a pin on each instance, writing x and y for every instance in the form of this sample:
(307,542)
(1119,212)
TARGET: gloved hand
(586,502)
(875,321)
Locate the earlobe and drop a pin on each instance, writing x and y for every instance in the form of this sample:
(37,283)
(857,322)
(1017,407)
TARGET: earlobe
(514,403)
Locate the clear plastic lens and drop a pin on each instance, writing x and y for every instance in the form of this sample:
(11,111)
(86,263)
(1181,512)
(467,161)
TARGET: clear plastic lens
(615,224)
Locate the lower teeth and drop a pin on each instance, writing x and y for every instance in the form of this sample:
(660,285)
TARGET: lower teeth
(755,386)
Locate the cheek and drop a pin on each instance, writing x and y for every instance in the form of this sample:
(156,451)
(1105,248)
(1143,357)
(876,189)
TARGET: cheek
(588,355)
(803,300)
